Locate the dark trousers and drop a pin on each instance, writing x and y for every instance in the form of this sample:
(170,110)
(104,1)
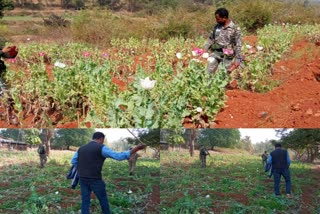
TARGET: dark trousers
(277,173)
(97,186)
(203,161)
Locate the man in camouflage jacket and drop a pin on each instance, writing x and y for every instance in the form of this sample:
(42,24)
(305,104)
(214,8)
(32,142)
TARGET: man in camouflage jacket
(203,156)
(224,43)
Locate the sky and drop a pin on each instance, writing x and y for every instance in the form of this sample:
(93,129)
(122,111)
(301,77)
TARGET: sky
(115,134)
(256,135)
(259,135)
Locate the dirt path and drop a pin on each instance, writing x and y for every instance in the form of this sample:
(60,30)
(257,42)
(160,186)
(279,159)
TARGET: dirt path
(295,103)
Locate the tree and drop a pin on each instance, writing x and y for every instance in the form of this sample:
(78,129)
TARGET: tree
(46,136)
(305,142)
(14,134)
(151,137)
(260,147)
(172,136)
(227,138)
(190,136)
(64,138)
(5,5)
(247,144)
(30,136)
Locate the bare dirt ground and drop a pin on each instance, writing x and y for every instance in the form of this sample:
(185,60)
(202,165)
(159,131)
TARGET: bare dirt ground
(295,103)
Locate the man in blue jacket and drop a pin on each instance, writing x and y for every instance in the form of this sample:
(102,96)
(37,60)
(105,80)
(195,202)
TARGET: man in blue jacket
(89,160)
(280,161)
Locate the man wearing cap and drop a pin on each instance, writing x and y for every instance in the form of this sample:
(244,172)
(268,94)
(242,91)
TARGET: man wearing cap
(224,43)
(89,160)
(280,161)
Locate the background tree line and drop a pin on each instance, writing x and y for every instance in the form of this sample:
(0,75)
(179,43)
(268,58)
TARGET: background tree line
(67,138)
(305,143)
(97,22)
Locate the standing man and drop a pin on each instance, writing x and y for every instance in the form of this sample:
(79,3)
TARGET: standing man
(89,160)
(42,154)
(224,43)
(280,161)
(203,156)
(132,162)
(264,158)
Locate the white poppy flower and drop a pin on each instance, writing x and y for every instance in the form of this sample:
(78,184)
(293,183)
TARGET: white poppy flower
(259,48)
(207,196)
(196,60)
(205,55)
(211,59)
(179,55)
(199,109)
(28,39)
(147,83)
(248,46)
(194,53)
(59,64)
(57,193)
(129,192)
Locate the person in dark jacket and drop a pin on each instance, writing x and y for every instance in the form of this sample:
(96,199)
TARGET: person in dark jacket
(280,161)
(42,155)
(264,158)
(89,160)
(203,156)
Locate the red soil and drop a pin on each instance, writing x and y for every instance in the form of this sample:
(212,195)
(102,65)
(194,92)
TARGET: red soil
(309,192)
(295,103)
(153,200)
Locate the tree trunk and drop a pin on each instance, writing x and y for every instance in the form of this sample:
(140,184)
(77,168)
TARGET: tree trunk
(47,139)
(193,136)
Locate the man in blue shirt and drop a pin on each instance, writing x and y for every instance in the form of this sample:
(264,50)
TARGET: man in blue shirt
(89,160)
(280,161)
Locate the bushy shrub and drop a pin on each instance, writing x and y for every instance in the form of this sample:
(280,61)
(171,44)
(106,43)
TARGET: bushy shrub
(182,22)
(4,31)
(55,21)
(252,14)
(100,26)
(3,41)
(175,28)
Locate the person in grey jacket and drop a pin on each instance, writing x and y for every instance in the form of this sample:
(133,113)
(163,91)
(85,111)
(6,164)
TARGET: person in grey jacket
(224,43)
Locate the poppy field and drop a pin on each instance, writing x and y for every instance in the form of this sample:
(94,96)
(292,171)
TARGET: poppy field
(134,83)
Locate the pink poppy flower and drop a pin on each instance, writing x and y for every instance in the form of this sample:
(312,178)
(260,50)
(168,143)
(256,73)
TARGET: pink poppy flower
(12,60)
(227,51)
(105,54)
(86,54)
(41,53)
(198,51)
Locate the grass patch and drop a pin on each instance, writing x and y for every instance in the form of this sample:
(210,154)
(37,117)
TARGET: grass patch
(231,183)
